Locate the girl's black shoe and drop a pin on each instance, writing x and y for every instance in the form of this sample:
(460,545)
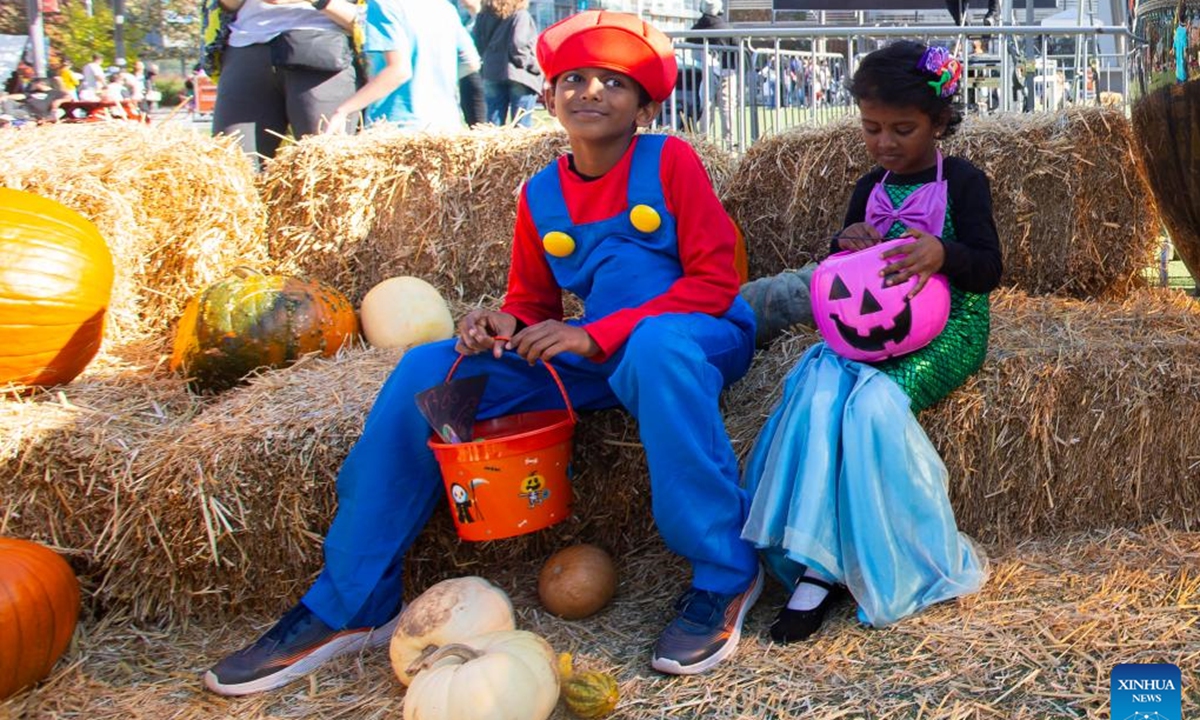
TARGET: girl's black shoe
(795,625)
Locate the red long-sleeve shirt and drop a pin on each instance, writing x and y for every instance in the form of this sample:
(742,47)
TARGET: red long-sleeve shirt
(704,232)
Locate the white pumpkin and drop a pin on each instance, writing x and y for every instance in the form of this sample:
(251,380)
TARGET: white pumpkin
(506,675)
(451,611)
(405,311)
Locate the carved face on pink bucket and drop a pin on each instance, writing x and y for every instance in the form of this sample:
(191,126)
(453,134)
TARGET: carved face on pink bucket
(862,319)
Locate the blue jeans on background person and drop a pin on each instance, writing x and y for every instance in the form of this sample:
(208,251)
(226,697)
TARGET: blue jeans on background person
(506,100)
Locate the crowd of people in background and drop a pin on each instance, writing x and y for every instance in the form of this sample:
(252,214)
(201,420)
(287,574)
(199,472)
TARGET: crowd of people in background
(421,65)
(491,77)
(118,91)
(802,82)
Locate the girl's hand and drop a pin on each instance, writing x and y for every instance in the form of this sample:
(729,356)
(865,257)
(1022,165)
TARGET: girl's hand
(478,331)
(549,338)
(859,236)
(922,257)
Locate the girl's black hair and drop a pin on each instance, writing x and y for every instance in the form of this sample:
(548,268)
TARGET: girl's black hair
(890,75)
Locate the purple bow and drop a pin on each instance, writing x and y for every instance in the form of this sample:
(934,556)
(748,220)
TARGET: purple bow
(924,209)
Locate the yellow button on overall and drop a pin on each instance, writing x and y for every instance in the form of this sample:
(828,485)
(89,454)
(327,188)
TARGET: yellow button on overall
(558,244)
(645,218)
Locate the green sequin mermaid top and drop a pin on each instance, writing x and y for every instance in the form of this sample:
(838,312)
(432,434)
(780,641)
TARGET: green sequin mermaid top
(929,374)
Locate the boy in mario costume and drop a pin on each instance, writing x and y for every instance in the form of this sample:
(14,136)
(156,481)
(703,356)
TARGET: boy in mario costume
(631,225)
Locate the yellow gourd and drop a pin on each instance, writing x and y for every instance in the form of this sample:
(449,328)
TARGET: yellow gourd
(505,675)
(588,694)
(451,611)
(404,311)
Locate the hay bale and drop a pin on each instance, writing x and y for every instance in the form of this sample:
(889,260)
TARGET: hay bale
(177,208)
(355,210)
(1073,422)
(172,504)
(1073,214)
(175,506)
(68,460)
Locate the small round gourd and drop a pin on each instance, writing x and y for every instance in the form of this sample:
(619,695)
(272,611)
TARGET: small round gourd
(404,311)
(504,674)
(56,276)
(451,611)
(253,321)
(587,693)
(577,581)
(39,606)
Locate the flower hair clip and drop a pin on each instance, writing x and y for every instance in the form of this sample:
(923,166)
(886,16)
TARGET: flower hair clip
(938,61)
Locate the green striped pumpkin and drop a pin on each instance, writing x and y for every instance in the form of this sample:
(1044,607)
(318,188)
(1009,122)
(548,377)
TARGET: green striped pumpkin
(254,321)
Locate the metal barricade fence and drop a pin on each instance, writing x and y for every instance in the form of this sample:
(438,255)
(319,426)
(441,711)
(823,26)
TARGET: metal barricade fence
(737,85)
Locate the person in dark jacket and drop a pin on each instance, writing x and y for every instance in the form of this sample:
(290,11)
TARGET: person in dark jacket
(470,87)
(505,34)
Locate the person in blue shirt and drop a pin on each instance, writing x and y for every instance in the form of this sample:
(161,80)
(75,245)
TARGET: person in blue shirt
(416,51)
(1181,50)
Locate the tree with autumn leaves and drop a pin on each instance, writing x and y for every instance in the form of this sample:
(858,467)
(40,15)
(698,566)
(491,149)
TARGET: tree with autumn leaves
(75,34)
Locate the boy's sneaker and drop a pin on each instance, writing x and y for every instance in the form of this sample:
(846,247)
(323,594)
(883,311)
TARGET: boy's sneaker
(706,631)
(298,644)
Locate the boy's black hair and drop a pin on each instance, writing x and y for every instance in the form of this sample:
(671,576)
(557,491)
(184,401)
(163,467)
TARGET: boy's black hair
(644,98)
(890,75)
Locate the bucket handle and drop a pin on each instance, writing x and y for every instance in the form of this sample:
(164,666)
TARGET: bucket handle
(553,374)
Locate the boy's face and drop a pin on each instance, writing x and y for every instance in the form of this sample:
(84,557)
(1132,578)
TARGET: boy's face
(594,104)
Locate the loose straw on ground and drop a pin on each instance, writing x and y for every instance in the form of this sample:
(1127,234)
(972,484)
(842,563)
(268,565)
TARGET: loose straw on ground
(1038,642)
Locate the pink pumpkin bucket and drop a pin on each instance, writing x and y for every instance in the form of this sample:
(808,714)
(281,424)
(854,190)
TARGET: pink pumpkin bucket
(514,477)
(862,319)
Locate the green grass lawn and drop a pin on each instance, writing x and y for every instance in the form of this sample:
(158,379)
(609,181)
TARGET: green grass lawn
(1177,276)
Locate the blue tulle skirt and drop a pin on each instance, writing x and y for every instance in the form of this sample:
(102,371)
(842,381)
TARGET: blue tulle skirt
(845,480)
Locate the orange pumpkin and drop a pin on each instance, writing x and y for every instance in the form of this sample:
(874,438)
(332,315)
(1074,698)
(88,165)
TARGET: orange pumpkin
(253,321)
(39,605)
(577,581)
(56,278)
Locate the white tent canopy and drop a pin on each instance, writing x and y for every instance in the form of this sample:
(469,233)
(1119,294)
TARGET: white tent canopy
(12,49)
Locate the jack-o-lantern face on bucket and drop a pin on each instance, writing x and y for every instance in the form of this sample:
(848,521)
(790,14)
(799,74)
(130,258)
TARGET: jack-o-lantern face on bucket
(863,319)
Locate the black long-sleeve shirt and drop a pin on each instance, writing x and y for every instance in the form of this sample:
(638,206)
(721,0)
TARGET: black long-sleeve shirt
(974,262)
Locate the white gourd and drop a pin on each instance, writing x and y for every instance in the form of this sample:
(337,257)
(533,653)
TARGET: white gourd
(404,311)
(451,611)
(505,675)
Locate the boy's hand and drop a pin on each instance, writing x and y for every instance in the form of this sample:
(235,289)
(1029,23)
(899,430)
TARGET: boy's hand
(478,331)
(859,236)
(922,257)
(551,337)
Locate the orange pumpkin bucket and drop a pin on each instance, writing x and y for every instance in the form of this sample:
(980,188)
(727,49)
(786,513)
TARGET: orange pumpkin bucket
(514,477)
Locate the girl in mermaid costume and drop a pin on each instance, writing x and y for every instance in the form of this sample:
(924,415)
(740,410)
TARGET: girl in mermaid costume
(848,491)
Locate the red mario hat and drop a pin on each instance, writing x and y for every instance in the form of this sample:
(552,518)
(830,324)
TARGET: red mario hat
(611,40)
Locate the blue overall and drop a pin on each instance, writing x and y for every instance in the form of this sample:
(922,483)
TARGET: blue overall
(668,375)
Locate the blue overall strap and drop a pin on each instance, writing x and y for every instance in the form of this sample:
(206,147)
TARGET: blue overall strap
(645,176)
(547,206)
